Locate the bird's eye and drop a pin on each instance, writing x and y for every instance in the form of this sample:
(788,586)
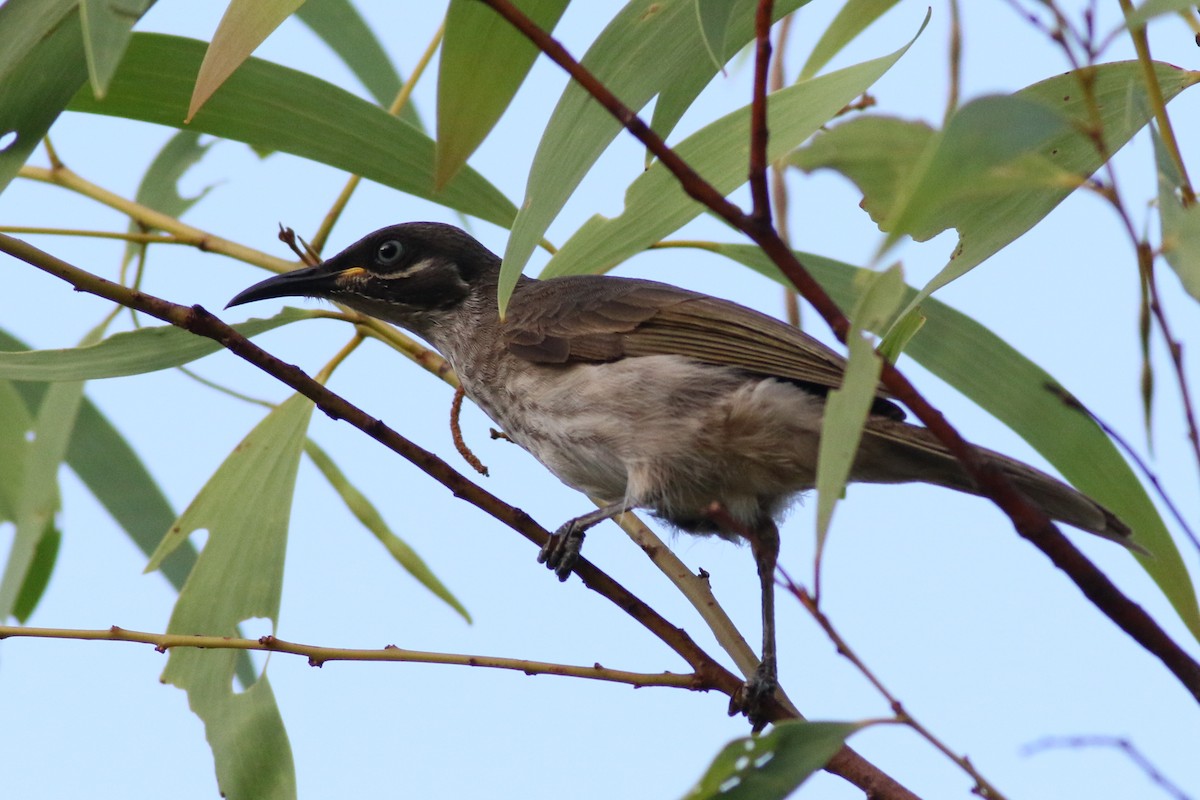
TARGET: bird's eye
(389,252)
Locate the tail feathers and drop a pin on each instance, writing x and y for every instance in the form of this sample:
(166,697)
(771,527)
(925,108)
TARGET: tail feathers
(895,452)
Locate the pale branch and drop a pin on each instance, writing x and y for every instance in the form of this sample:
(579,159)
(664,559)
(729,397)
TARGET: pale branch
(319,655)
(1029,521)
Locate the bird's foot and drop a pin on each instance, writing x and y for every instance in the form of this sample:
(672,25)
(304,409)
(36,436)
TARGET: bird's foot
(560,553)
(752,698)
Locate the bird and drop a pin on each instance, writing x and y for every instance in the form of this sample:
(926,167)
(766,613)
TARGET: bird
(644,395)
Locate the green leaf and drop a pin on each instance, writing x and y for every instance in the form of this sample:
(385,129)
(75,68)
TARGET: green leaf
(244,26)
(853,18)
(41,66)
(372,520)
(245,508)
(45,554)
(38,500)
(129,353)
(987,221)
(723,34)
(656,204)
(1180,223)
(650,46)
(44,59)
(1012,388)
(1153,8)
(274,108)
(103,460)
(340,26)
(484,61)
(1002,163)
(15,423)
(159,188)
(107,26)
(877,153)
(771,766)
(111,471)
(847,406)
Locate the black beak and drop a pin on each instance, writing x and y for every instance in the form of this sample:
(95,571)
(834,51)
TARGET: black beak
(309,282)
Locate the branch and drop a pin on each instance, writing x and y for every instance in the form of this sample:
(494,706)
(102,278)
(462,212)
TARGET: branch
(759,135)
(318,656)
(1030,521)
(708,673)
(199,321)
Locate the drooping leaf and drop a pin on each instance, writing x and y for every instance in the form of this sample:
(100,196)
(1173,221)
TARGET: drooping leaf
(37,578)
(41,66)
(38,500)
(239,575)
(107,26)
(159,188)
(44,59)
(1180,223)
(1012,388)
(103,460)
(130,352)
(340,26)
(15,423)
(771,766)
(875,152)
(656,204)
(274,108)
(723,34)
(648,48)
(242,29)
(854,17)
(1003,163)
(484,61)
(372,520)
(847,406)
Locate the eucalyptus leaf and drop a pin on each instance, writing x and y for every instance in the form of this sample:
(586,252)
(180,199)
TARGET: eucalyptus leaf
(854,17)
(244,26)
(771,766)
(245,508)
(1180,222)
(275,108)
(366,513)
(1012,388)
(38,500)
(656,204)
(484,61)
(340,26)
(129,353)
(648,48)
(847,407)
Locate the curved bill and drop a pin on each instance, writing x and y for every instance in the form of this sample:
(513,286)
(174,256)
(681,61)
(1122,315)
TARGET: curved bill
(309,282)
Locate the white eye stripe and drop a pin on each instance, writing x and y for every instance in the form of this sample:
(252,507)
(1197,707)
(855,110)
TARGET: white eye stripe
(424,263)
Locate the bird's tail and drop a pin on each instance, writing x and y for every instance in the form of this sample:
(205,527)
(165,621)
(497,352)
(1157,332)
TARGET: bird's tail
(895,452)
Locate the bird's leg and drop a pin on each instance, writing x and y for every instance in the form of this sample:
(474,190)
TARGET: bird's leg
(561,550)
(764,541)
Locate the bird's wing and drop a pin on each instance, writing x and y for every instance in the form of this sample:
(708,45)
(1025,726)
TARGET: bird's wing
(592,318)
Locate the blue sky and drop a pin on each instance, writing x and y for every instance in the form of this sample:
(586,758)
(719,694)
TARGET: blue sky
(973,629)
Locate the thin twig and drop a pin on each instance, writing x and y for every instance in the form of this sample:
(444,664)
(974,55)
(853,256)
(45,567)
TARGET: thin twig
(759,134)
(339,205)
(199,321)
(319,655)
(1030,521)
(983,787)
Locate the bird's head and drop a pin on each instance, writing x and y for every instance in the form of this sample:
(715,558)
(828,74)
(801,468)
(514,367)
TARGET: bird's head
(410,274)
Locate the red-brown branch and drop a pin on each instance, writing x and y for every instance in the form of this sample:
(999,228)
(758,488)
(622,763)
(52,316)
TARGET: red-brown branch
(1029,521)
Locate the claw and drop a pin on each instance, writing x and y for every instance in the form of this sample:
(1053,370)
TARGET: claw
(751,699)
(561,551)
